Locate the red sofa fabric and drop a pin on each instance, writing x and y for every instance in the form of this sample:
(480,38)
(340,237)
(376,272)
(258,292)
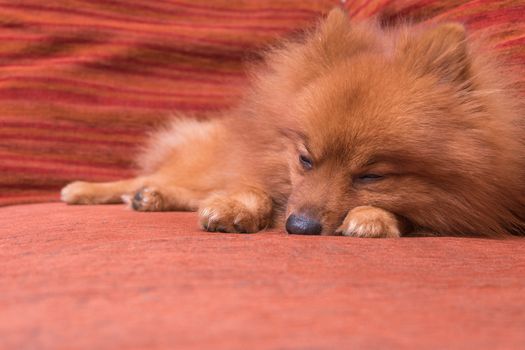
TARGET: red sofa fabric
(82,81)
(104,277)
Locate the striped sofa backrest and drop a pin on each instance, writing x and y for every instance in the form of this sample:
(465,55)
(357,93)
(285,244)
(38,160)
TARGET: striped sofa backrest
(82,81)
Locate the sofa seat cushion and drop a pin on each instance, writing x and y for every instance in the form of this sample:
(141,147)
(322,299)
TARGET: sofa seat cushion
(96,277)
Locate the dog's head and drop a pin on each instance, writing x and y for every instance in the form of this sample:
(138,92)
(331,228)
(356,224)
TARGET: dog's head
(395,120)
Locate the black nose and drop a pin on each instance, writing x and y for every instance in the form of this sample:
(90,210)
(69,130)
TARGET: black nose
(303,225)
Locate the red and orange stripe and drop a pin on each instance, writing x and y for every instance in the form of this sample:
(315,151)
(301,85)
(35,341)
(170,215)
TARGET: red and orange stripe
(81,81)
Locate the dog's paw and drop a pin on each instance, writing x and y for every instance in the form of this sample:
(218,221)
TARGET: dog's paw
(245,213)
(77,192)
(370,222)
(145,199)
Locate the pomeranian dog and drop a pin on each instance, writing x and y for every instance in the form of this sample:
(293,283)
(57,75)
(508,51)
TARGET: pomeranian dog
(352,130)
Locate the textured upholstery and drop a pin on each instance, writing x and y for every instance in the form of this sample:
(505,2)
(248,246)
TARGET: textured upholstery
(104,277)
(81,82)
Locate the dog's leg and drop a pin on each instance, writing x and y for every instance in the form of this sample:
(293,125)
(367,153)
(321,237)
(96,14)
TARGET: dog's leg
(80,192)
(372,222)
(243,210)
(147,193)
(163,197)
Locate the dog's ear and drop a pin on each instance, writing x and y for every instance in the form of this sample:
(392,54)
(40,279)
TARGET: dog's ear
(337,38)
(333,26)
(442,51)
(297,62)
(327,43)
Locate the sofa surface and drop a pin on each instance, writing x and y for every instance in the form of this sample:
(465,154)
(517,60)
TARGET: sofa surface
(104,277)
(81,84)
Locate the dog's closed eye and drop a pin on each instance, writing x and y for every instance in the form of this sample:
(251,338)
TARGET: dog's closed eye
(306,162)
(369,177)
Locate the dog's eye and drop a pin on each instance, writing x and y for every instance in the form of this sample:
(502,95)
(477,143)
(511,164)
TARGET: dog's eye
(370,177)
(306,162)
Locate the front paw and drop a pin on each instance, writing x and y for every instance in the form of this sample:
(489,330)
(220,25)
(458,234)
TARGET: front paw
(370,222)
(145,199)
(77,192)
(245,213)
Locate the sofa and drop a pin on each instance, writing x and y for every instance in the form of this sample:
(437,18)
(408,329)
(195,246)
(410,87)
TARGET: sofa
(81,85)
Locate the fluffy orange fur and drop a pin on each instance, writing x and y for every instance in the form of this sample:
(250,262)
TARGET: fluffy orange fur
(352,129)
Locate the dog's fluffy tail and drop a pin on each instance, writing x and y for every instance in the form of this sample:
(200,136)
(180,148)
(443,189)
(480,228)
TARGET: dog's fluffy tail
(181,132)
